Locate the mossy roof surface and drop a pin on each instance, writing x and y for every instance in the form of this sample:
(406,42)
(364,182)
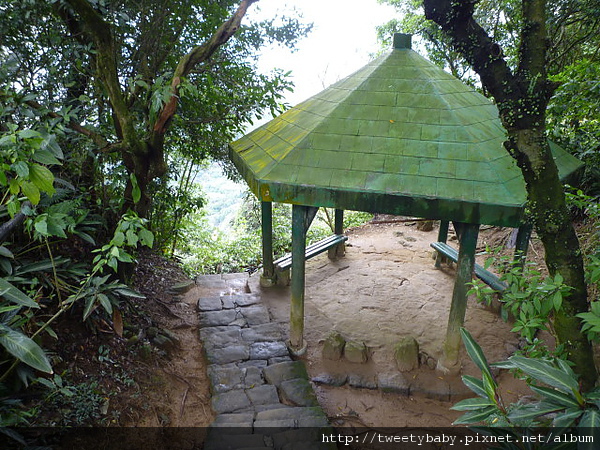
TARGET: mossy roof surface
(399,136)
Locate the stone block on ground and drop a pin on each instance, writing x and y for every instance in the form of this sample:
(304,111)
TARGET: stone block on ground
(425,225)
(265,394)
(217,318)
(227,355)
(209,304)
(261,333)
(362,381)
(295,413)
(255,314)
(277,373)
(406,354)
(331,379)
(230,401)
(298,392)
(220,336)
(225,378)
(395,382)
(266,350)
(356,352)
(333,347)
(252,376)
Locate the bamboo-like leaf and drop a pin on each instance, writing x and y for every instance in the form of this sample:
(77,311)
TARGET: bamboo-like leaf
(90,304)
(546,373)
(590,419)
(475,384)
(475,416)
(531,411)
(567,418)
(472,404)
(125,292)
(105,302)
(14,295)
(475,353)
(24,349)
(556,396)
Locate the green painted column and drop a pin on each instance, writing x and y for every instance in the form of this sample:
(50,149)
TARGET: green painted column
(300,216)
(268,274)
(458,308)
(522,244)
(442,237)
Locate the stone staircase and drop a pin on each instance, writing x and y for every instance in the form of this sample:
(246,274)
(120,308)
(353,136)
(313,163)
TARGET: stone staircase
(262,398)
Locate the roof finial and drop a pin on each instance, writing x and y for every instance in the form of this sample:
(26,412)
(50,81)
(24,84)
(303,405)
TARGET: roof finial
(402,40)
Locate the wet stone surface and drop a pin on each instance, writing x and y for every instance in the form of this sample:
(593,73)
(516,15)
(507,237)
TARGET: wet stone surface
(251,372)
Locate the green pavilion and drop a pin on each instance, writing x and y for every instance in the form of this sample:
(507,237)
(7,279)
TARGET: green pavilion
(399,136)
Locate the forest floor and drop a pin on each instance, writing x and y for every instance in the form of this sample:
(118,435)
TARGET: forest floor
(384,288)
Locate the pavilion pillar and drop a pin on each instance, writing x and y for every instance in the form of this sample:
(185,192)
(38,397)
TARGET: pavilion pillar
(458,308)
(338,228)
(302,217)
(442,237)
(267,278)
(522,244)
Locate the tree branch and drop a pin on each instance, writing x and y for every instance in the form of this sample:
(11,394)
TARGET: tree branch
(8,228)
(197,55)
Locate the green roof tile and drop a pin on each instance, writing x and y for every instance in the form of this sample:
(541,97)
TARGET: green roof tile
(399,136)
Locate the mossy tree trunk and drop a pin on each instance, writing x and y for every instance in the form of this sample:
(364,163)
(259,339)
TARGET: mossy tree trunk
(142,150)
(522,97)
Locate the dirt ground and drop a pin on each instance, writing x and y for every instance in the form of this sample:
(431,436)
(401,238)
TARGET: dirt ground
(386,287)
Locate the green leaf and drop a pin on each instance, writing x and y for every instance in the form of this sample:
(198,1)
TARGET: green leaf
(567,418)
(557,300)
(132,238)
(105,302)
(475,416)
(475,384)
(6,252)
(45,157)
(147,237)
(472,404)
(28,134)
(556,396)
(476,354)
(14,295)
(24,349)
(21,168)
(533,410)
(42,178)
(546,373)
(136,191)
(590,419)
(90,303)
(125,292)
(31,191)
(118,239)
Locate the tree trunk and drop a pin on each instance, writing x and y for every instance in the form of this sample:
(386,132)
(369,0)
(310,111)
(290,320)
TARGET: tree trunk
(522,98)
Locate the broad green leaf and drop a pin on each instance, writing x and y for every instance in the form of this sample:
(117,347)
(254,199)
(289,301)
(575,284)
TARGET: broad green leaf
(42,178)
(118,239)
(531,411)
(472,404)
(475,384)
(90,303)
(129,293)
(24,349)
(31,191)
(475,416)
(28,134)
(546,373)
(105,302)
(45,157)
(147,238)
(21,168)
(590,419)
(132,238)
(475,353)
(136,191)
(6,252)
(567,418)
(556,396)
(14,295)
